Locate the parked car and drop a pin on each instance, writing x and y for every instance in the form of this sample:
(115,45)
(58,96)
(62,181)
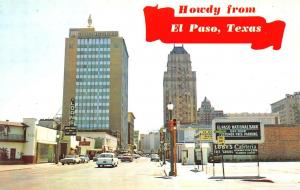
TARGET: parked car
(70,159)
(105,159)
(95,158)
(120,156)
(135,156)
(127,158)
(84,158)
(154,157)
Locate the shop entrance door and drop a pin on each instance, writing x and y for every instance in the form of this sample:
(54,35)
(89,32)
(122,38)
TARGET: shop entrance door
(12,153)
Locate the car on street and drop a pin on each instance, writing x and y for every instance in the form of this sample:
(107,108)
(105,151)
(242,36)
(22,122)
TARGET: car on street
(95,158)
(135,156)
(107,159)
(84,158)
(120,156)
(127,158)
(154,157)
(71,159)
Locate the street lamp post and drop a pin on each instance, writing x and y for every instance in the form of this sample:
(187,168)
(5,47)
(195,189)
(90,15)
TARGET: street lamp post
(57,148)
(172,130)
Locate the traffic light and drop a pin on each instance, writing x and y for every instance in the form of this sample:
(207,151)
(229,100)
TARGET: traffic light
(174,122)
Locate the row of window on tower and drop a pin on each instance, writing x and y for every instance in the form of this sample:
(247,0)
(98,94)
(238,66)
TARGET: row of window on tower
(93,41)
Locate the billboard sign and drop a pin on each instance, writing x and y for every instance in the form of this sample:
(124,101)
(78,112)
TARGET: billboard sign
(239,132)
(235,149)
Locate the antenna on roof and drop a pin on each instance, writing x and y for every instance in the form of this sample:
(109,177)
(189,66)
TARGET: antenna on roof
(90,21)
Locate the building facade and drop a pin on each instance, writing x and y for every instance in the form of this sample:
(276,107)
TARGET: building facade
(150,143)
(288,109)
(136,139)
(96,78)
(27,142)
(179,87)
(206,113)
(281,143)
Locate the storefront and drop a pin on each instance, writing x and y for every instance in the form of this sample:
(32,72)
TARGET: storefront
(45,153)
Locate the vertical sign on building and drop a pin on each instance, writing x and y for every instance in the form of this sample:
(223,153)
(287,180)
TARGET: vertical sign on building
(72,112)
(71,129)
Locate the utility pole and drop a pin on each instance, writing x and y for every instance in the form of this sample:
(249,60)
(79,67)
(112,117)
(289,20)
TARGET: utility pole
(172,130)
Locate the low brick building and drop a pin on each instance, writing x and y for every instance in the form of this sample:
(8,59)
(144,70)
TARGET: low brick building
(282,142)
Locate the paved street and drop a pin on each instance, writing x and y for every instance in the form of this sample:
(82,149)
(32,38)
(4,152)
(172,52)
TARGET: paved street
(143,174)
(140,174)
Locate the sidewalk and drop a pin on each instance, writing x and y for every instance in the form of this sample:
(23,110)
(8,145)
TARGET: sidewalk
(187,171)
(24,166)
(278,172)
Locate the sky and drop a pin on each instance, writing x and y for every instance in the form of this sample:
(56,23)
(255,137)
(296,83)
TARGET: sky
(234,77)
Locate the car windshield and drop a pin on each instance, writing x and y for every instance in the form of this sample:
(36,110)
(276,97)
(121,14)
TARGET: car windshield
(106,155)
(70,156)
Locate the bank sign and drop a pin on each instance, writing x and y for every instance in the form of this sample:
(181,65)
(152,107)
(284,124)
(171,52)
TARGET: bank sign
(239,132)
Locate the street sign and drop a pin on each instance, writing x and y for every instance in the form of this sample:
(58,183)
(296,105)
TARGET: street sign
(220,131)
(221,140)
(70,130)
(235,149)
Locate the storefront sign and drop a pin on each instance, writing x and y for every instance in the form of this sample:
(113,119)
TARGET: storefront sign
(72,112)
(71,130)
(84,143)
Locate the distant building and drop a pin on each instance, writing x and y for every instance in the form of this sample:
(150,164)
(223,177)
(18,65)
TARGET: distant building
(142,142)
(150,143)
(288,109)
(50,123)
(131,119)
(179,87)
(206,113)
(265,118)
(136,139)
(96,81)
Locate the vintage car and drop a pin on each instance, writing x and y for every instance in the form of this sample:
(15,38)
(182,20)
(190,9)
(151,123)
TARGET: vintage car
(127,158)
(71,159)
(107,159)
(95,158)
(84,158)
(154,157)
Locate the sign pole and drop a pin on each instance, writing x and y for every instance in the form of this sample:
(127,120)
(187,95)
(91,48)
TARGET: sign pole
(213,161)
(201,155)
(223,165)
(258,164)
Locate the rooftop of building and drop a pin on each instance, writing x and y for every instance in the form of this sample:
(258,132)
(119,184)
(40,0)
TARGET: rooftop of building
(246,114)
(296,95)
(178,50)
(9,123)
